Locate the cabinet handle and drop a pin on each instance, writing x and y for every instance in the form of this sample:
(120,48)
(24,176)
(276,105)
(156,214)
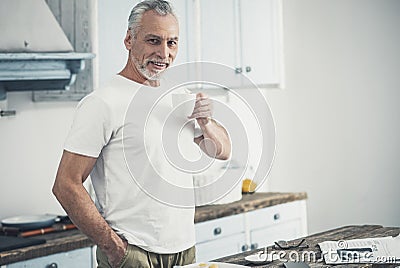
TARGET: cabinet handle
(245,247)
(254,246)
(248,69)
(217,231)
(277,216)
(238,70)
(52,265)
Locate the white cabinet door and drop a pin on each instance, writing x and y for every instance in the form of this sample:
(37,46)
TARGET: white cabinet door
(218,228)
(79,258)
(218,32)
(261,40)
(218,248)
(220,237)
(267,236)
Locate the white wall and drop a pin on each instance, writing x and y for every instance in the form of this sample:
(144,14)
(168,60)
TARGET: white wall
(337,121)
(112,25)
(30,148)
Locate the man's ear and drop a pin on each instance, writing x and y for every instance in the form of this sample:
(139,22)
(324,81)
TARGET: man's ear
(128,40)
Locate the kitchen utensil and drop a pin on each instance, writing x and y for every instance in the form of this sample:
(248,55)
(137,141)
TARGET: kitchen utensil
(54,228)
(29,222)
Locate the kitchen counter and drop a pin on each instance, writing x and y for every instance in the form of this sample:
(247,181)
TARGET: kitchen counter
(55,243)
(249,202)
(342,233)
(74,239)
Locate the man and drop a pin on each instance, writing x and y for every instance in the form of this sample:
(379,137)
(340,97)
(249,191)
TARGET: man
(130,228)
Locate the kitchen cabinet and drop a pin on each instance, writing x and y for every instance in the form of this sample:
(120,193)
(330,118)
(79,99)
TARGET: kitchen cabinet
(261,41)
(250,230)
(281,222)
(223,246)
(245,35)
(219,237)
(79,258)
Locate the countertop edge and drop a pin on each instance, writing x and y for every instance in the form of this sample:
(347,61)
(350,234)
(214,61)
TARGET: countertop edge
(248,202)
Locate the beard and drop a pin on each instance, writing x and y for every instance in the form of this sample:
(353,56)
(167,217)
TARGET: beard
(149,75)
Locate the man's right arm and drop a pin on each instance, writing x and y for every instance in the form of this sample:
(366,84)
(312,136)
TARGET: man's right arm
(70,192)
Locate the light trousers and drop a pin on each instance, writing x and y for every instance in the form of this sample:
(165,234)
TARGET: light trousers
(136,257)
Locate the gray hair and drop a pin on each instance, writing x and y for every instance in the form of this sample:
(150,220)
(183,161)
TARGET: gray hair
(162,8)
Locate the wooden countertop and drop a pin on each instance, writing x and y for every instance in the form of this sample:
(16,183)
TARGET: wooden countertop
(55,243)
(342,233)
(249,202)
(74,239)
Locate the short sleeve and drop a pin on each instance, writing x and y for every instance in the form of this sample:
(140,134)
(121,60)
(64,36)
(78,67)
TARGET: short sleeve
(91,127)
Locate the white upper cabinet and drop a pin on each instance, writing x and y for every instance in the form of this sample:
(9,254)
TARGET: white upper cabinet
(245,35)
(261,45)
(218,33)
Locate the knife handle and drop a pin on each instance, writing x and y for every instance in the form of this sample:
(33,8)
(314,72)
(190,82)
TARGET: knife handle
(47,230)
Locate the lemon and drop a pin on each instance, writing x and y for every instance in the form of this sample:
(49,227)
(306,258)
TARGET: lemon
(248,186)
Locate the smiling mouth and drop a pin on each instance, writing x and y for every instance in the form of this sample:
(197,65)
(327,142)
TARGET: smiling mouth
(159,64)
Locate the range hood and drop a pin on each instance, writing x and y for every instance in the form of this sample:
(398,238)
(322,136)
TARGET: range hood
(39,71)
(35,54)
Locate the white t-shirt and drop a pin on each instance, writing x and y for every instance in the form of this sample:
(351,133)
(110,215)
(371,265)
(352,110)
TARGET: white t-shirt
(98,131)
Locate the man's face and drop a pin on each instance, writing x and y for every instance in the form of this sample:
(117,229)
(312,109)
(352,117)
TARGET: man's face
(155,46)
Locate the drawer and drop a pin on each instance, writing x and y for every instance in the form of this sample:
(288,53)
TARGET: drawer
(218,248)
(268,235)
(276,214)
(79,258)
(217,228)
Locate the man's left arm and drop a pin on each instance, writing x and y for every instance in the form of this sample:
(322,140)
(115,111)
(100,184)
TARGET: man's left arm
(215,140)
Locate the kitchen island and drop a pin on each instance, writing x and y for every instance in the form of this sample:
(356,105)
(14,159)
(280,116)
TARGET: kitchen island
(315,259)
(71,240)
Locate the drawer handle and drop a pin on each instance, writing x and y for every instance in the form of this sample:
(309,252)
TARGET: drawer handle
(253,246)
(245,247)
(277,216)
(52,265)
(217,231)
(248,69)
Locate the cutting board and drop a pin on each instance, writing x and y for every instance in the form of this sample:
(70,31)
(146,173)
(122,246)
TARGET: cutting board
(13,242)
